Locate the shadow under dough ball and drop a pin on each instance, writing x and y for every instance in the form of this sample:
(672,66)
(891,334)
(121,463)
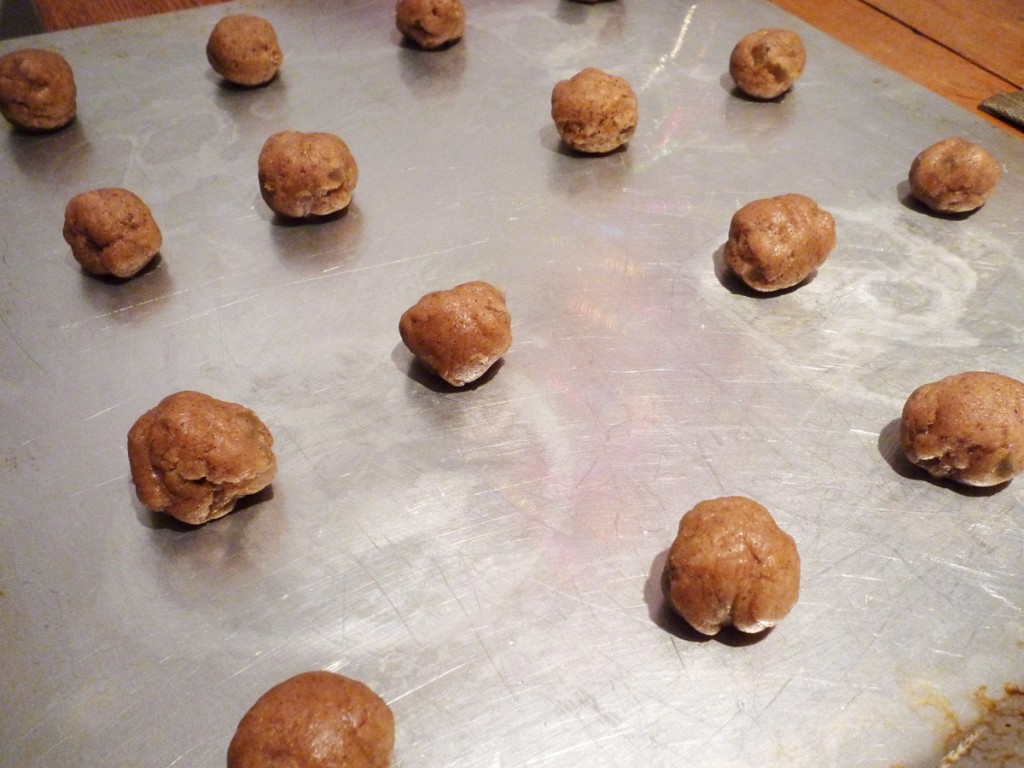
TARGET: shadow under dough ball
(193,456)
(431,24)
(111,232)
(315,720)
(766,63)
(37,90)
(731,565)
(306,174)
(954,176)
(775,243)
(968,427)
(243,49)
(594,112)
(458,333)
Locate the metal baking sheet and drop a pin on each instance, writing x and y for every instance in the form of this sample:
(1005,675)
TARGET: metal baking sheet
(488,560)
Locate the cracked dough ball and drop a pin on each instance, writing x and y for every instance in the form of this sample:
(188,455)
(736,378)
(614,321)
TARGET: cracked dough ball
(954,176)
(111,232)
(430,23)
(730,564)
(458,333)
(306,174)
(766,63)
(243,49)
(193,456)
(315,720)
(594,111)
(968,427)
(775,243)
(37,90)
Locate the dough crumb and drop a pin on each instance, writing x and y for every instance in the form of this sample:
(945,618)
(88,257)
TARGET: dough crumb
(594,112)
(111,232)
(37,90)
(766,63)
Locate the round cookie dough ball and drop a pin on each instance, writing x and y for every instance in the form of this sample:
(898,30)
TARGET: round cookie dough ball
(458,333)
(730,564)
(595,112)
(193,456)
(306,174)
(766,63)
(953,176)
(37,90)
(968,427)
(111,232)
(315,720)
(243,49)
(775,243)
(430,24)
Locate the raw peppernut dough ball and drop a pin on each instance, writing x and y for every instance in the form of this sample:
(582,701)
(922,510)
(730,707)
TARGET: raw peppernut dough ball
(968,427)
(595,112)
(775,243)
(306,174)
(37,90)
(766,63)
(458,333)
(315,720)
(111,232)
(243,49)
(193,456)
(730,564)
(430,24)
(954,176)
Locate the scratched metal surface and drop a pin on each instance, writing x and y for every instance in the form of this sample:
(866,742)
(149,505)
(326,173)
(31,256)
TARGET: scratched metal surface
(488,560)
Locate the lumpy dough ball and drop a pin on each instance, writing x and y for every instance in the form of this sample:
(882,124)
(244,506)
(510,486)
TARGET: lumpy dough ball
(458,333)
(594,111)
(953,176)
(243,49)
(306,174)
(968,427)
(430,24)
(766,63)
(193,456)
(730,564)
(775,243)
(315,720)
(111,232)
(37,90)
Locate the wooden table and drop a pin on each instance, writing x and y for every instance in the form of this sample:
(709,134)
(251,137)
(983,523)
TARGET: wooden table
(963,50)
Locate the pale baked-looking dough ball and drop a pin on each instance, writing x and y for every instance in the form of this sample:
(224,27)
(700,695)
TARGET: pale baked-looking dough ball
(775,243)
(594,111)
(730,564)
(315,720)
(458,333)
(431,24)
(37,90)
(968,427)
(243,49)
(306,174)
(193,456)
(111,232)
(766,63)
(953,176)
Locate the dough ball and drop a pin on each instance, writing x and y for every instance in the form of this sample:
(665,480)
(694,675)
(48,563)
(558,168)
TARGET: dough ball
(193,456)
(459,333)
(777,242)
(730,564)
(953,176)
(766,63)
(594,112)
(306,174)
(243,49)
(315,720)
(37,90)
(111,232)
(430,24)
(968,427)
